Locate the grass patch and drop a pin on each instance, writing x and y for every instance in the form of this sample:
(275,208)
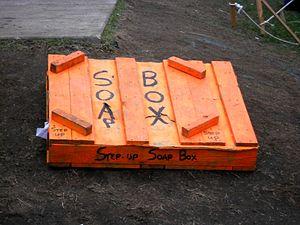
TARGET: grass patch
(108,35)
(292,20)
(51,45)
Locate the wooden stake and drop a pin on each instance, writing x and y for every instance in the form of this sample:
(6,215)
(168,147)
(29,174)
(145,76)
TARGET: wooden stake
(281,21)
(260,16)
(233,15)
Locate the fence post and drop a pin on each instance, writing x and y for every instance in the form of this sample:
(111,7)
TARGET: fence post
(233,15)
(260,15)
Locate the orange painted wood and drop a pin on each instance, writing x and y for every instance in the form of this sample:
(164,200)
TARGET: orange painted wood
(191,100)
(138,155)
(223,127)
(132,102)
(169,100)
(66,62)
(106,99)
(194,68)
(206,104)
(59,97)
(80,98)
(71,121)
(234,105)
(200,125)
(156,101)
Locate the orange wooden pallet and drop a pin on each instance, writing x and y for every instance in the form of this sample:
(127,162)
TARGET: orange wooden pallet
(147,115)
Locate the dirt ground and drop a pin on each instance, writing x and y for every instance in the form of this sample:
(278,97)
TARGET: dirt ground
(32,193)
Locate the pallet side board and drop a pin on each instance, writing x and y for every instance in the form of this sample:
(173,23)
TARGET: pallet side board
(92,155)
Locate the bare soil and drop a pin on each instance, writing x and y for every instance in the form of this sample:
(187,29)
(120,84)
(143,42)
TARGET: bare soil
(268,74)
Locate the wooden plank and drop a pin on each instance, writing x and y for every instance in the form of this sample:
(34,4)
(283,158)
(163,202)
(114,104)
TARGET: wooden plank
(234,105)
(200,125)
(71,121)
(205,104)
(80,98)
(59,97)
(223,128)
(132,101)
(107,110)
(67,62)
(160,118)
(193,68)
(140,155)
(192,99)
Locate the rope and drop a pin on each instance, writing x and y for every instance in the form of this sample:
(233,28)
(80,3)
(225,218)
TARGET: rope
(268,20)
(240,9)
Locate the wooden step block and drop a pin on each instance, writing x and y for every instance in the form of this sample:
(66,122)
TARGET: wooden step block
(200,125)
(67,62)
(71,121)
(193,68)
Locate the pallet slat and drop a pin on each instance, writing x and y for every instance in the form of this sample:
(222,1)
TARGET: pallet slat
(159,114)
(205,105)
(80,97)
(234,105)
(132,102)
(59,97)
(107,113)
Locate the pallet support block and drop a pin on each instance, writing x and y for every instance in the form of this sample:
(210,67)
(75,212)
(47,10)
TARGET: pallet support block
(148,115)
